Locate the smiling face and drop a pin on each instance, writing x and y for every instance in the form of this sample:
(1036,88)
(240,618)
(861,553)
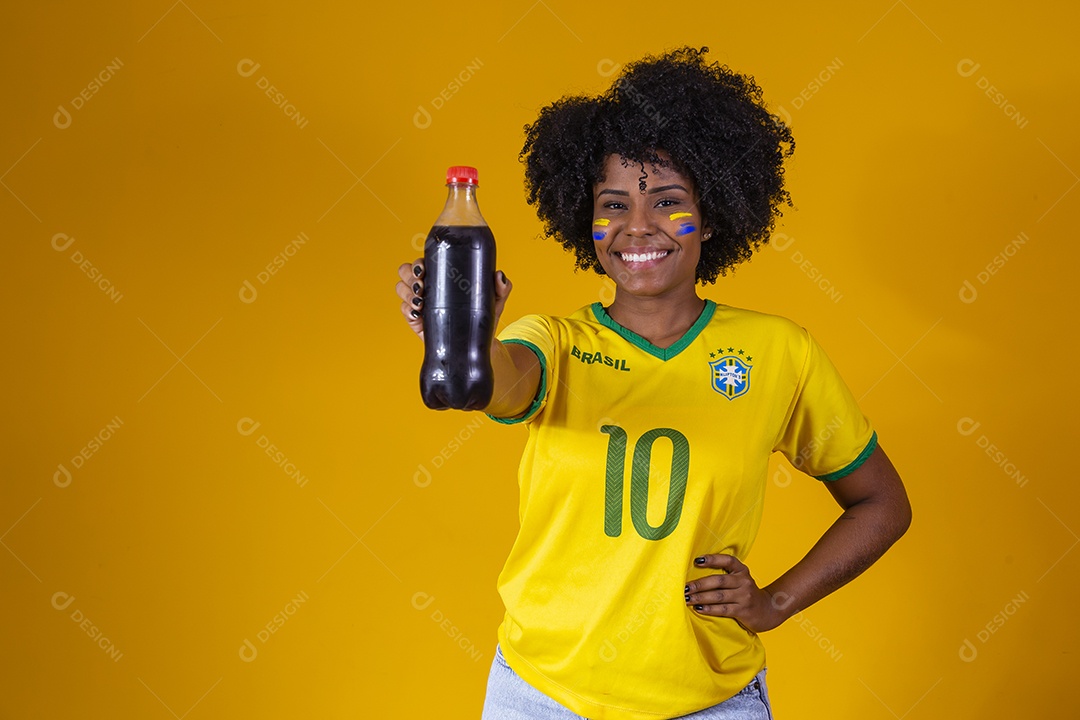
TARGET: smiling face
(647,242)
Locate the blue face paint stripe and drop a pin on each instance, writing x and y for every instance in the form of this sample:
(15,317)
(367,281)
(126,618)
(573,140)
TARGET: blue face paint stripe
(597,235)
(685,228)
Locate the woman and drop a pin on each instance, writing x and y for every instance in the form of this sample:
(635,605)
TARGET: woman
(652,420)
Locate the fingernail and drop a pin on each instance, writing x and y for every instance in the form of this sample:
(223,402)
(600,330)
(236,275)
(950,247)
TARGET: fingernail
(414,313)
(687,598)
(699,607)
(506,280)
(416,301)
(699,561)
(417,270)
(686,589)
(416,287)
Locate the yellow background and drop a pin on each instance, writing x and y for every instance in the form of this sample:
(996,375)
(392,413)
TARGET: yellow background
(179,180)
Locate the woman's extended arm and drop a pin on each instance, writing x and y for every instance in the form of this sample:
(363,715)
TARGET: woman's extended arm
(517,378)
(876,514)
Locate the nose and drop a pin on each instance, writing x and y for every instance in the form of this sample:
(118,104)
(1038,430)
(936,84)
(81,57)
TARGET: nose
(639,223)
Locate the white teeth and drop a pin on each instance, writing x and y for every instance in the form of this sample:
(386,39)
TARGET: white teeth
(643,257)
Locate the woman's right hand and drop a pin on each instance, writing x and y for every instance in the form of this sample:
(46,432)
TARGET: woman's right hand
(516,368)
(410,289)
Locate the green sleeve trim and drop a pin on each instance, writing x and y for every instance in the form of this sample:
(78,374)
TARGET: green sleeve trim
(665,354)
(854,464)
(540,394)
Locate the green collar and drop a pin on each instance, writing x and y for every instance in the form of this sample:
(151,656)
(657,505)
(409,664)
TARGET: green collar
(667,353)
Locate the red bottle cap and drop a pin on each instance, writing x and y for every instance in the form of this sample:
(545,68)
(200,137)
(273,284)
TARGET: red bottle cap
(462,174)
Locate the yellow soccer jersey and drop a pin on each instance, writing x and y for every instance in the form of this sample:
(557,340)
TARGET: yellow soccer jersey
(640,459)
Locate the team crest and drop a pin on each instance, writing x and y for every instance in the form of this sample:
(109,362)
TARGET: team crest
(730,376)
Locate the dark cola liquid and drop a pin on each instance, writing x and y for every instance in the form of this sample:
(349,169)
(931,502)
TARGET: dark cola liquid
(458,311)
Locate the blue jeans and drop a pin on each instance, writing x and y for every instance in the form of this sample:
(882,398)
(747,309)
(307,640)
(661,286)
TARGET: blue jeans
(511,698)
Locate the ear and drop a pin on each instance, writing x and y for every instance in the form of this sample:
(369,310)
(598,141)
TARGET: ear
(706,233)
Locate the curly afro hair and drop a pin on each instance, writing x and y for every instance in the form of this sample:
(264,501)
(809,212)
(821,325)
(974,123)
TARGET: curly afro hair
(709,120)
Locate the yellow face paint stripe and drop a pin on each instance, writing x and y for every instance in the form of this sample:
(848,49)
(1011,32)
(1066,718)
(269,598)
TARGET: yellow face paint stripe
(602,221)
(676,216)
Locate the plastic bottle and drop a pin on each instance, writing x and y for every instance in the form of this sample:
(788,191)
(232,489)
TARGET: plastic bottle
(459,301)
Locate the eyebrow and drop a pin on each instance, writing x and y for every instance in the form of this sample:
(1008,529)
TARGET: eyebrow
(662,188)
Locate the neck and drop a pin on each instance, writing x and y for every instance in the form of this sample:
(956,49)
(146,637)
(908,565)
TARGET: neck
(659,319)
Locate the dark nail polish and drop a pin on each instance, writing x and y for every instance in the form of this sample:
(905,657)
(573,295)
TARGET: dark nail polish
(699,561)
(416,287)
(416,301)
(687,598)
(686,589)
(414,313)
(699,607)
(417,270)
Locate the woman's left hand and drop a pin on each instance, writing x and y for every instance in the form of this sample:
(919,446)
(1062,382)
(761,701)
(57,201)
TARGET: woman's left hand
(734,595)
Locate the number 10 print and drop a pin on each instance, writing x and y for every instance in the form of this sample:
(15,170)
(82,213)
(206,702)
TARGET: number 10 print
(639,481)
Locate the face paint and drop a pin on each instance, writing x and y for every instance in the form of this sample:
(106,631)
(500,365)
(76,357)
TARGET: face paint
(686,227)
(599,234)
